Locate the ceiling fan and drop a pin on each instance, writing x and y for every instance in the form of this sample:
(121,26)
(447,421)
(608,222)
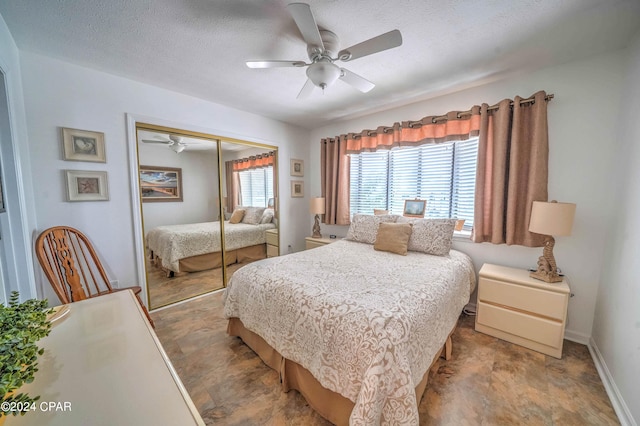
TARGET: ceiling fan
(322,46)
(174,142)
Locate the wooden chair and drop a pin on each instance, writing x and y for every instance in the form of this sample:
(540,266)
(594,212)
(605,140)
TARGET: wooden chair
(73,268)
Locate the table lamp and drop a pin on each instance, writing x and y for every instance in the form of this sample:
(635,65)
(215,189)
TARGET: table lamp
(550,218)
(317,208)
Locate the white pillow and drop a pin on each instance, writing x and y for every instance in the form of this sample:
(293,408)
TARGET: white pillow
(252,215)
(431,236)
(267,216)
(364,227)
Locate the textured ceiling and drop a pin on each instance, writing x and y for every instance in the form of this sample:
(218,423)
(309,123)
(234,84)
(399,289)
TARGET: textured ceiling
(198,47)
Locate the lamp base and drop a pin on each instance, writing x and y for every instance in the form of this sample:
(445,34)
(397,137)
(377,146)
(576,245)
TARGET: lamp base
(547,269)
(316,228)
(546,276)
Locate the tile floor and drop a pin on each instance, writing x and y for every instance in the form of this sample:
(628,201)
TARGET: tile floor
(487,381)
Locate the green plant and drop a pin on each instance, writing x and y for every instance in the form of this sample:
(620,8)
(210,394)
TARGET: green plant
(21,326)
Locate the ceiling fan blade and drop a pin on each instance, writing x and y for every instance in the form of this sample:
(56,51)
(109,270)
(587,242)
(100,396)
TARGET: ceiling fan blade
(360,83)
(306,89)
(301,13)
(373,45)
(275,64)
(151,141)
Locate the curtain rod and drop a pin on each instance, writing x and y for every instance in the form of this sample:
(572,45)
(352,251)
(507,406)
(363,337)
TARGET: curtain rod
(462,113)
(411,124)
(496,106)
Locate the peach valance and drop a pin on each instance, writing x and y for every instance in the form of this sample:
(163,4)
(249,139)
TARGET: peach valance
(254,162)
(455,125)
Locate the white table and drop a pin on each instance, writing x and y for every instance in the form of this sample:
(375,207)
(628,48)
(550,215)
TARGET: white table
(104,362)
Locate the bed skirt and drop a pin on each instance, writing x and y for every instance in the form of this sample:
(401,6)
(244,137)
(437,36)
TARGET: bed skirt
(208,261)
(330,405)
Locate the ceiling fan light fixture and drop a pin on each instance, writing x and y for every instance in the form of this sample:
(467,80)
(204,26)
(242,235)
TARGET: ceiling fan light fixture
(323,74)
(178,148)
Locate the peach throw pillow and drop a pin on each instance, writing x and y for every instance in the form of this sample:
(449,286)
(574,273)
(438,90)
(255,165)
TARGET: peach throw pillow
(393,237)
(237,216)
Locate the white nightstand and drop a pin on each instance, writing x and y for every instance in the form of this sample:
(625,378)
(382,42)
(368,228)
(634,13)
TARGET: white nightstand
(522,310)
(311,242)
(273,242)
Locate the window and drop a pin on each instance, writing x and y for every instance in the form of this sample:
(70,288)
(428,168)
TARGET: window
(442,174)
(256,186)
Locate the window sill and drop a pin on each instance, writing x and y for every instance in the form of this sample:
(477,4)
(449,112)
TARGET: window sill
(464,236)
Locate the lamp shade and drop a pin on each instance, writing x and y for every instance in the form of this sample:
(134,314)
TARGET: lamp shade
(317,205)
(552,218)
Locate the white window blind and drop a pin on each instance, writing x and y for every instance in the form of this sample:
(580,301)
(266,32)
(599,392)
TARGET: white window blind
(368,188)
(442,174)
(256,186)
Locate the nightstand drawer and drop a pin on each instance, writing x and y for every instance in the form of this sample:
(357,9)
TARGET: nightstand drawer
(539,302)
(536,329)
(272,251)
(272,238)
(313,244)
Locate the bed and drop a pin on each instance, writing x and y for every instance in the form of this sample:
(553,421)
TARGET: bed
(197,246)
(354,329)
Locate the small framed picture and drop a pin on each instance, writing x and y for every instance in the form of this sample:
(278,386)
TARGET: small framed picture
(83,145)
(271,204)
(160,184)
(297,188)
(86,185)
(414,208)
(297,167)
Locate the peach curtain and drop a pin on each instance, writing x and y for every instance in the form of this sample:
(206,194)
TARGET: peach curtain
(512,171)
(232,180)
(334,173)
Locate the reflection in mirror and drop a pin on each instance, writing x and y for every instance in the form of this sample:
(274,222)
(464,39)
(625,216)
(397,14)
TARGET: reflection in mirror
(179,183)
(249,195)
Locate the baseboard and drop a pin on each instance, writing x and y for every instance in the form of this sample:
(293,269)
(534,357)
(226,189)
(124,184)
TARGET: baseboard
(619,406)
(574,336)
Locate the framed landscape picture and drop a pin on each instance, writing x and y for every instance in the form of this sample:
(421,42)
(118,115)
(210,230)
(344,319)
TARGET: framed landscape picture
(83,145)
(160,184)
(86,185)
(414,208)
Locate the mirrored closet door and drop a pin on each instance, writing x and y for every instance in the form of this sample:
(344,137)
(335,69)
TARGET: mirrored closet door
(190,186)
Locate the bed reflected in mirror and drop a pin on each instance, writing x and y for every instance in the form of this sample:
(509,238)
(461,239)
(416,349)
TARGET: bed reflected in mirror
(249,205)
(180,209)
(188,196)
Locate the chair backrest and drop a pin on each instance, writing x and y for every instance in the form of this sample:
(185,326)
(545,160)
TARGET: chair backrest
(71,264)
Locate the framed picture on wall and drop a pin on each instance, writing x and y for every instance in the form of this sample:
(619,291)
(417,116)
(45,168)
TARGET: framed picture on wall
(297,188)
(160,184)
(83,145)
(86,185)
(297,167)
(414,208)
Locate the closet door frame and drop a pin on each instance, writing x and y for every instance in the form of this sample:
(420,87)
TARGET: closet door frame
(134,122)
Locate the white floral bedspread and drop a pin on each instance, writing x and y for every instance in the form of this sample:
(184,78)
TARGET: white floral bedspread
(367,324)
(174,242)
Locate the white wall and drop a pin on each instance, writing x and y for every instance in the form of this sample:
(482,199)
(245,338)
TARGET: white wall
(616,326)
(582,120)
(59,94)
(19,218)
(199,186)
